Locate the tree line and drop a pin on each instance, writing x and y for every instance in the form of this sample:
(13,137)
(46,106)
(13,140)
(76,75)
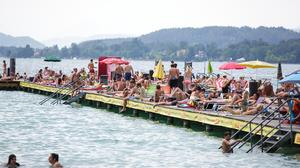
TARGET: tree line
(285,51)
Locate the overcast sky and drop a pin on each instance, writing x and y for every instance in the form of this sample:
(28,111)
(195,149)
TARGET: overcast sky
(47,19)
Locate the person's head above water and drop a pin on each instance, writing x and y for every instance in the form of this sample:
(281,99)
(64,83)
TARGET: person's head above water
(227,135)
(53,158)
(12,161)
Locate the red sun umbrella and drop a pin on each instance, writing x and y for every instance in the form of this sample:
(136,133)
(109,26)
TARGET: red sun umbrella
(114,61)
(231,66)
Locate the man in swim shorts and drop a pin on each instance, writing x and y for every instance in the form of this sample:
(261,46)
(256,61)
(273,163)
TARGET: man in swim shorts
(128,71)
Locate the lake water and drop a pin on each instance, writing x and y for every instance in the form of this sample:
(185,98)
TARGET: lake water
(86,137)
(93,138)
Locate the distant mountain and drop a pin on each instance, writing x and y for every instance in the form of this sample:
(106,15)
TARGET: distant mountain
(22,41)
(220,35)
(67,41)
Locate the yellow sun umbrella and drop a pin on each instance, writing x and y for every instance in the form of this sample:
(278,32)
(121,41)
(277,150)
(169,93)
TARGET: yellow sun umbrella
(257,64)
(159,71)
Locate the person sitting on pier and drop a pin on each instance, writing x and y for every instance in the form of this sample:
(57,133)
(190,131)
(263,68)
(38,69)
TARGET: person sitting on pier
(137,92)
(289,89)
(227,144)
(159,94)
(119,85)
(243,82)
(38,77)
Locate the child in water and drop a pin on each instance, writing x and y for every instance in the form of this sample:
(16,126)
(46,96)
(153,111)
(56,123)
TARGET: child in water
(226,144)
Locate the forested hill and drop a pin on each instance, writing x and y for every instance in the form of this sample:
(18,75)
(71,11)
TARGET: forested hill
(11,41)
(221,36)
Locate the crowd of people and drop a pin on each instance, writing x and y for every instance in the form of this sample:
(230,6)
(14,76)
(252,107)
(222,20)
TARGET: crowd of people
(184,90)
(200,92)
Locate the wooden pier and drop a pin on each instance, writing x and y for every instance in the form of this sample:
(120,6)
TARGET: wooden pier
(168,114)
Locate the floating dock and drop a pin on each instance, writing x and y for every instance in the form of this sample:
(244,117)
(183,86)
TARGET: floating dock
(171,115)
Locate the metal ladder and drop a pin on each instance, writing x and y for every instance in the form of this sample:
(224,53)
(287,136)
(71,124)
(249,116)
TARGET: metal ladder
(64,88)
(62,96)
(273,142)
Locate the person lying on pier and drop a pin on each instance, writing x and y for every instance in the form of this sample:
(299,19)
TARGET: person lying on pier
(227,143)
(176,97)
(249,109)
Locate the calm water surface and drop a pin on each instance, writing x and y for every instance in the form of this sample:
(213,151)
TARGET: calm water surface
(92,138)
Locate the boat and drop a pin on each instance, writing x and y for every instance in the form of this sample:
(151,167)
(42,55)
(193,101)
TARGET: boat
(52,58)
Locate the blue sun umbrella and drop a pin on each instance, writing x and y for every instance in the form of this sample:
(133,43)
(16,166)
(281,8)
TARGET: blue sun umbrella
(292,78)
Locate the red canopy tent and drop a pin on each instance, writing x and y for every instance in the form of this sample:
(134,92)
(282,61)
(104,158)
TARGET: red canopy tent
(105,61)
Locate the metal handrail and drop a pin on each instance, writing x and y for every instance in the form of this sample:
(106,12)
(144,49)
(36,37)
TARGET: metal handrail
(268,133)
(261,124)
(250,122)
(65,95)
(258,125)
(254,117)
(57,91)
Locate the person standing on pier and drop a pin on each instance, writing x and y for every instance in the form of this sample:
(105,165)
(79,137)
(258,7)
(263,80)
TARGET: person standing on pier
(128,72)
(173,76)
(4,69)
(119,72)
(91,67)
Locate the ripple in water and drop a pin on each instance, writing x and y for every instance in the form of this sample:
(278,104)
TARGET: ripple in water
(93,138)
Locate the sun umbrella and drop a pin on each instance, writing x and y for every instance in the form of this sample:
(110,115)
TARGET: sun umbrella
(231,66)
(257,64)
(279,71)
(293,78)
(209,68)
(114,61)
(159,71)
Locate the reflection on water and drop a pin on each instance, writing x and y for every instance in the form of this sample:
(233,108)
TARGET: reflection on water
(93,138)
